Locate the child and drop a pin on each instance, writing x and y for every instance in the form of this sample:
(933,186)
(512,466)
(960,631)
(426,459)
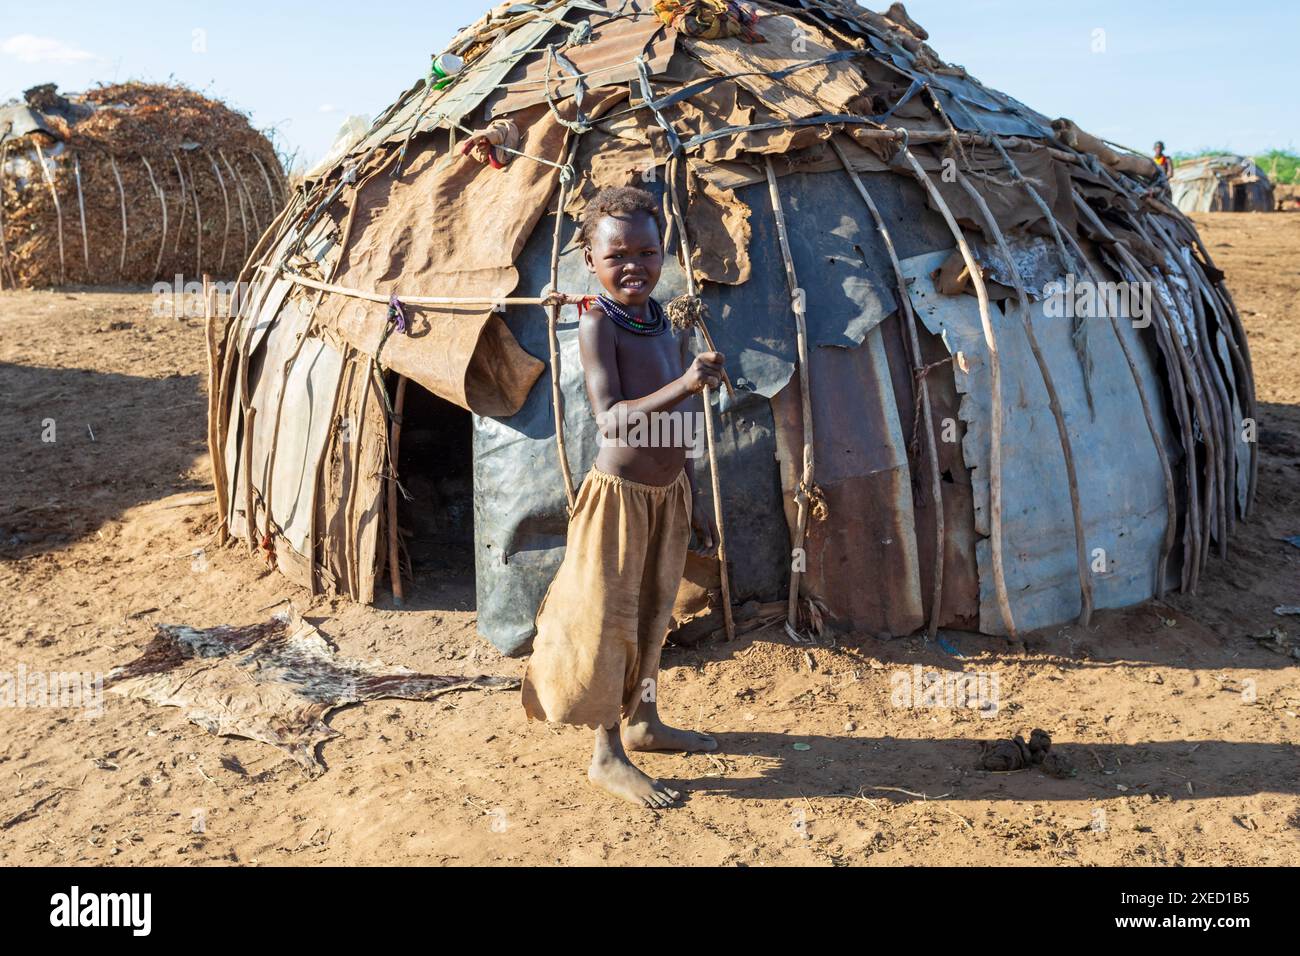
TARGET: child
(602,624)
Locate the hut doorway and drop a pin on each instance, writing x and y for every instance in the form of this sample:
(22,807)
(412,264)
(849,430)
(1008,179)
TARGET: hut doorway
(436,522)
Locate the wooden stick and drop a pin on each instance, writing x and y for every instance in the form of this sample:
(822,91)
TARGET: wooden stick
(553,336)
(1200,390)
(214,398)
(121,195)
(4,246)
(562,298)
(1243,388)
(270,193)
(1225,462)
(225,199)
(1191,383)
(237,351)
(318,477)
(1079,332)
(250,516)
(679,222)
(394,446)
(162,202)
(1180,391)
(352,553)
(248,193)
(58,209)
(180,216)
(1238,341)
(198,219)
(1195,389)
(239,198)
(806,478)
(927,413)
(81,208)
(1053,400)
(708,344)
(715,479)
(995,404)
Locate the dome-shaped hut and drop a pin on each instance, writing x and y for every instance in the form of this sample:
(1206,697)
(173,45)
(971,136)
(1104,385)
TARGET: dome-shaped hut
(130,183)
(952,405)
(1221,183)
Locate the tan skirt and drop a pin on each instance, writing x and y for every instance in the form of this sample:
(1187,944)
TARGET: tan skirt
(601,626)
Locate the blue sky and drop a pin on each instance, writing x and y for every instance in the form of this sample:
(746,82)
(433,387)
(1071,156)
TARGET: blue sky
(1194,74)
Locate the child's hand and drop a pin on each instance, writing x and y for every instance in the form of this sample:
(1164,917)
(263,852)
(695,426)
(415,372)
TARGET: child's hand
(706,530)
(705,371)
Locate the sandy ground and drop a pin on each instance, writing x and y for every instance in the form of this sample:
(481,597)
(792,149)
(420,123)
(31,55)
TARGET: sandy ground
(1182,728)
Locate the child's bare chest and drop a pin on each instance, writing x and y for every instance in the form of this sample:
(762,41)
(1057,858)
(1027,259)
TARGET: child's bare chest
(646,363)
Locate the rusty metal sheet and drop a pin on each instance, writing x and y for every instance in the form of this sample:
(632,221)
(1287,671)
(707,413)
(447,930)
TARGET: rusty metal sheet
(1121,486)
(862,559)
(609,59)
(960,575)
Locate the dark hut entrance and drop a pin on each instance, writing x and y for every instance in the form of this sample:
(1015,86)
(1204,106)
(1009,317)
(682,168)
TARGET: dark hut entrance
(436,522)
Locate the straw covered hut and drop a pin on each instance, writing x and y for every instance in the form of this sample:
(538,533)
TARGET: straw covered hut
(129,183)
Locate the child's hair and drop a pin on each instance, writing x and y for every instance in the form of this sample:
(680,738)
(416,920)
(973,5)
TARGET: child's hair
(619,201)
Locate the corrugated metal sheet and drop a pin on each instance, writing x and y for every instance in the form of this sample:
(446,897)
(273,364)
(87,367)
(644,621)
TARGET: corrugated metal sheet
(1120,480)
(862,559)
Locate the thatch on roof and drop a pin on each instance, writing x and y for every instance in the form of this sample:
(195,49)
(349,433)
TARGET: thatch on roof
(1221,183)
(128,183)
(875,235)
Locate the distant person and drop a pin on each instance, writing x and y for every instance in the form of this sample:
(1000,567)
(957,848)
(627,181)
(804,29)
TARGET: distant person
(1164,162)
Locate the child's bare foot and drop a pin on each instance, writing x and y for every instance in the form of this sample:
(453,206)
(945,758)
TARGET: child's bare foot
(616,775)
(656,735)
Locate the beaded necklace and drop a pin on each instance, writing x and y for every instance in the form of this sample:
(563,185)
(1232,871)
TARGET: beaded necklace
(657,324)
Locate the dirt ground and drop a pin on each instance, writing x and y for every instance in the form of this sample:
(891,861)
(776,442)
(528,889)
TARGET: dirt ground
(1182,727)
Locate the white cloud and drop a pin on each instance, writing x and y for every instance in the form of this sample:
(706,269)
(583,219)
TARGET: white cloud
(327,108)
(28,48)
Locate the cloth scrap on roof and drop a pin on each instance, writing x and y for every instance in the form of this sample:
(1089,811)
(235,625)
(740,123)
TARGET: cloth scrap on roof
(274,682)
(719,232)
(409,238)
(623,152)
(726,106)
(710,19)
(1127,163)
(486,146)
(1008,201)
(606,59)
(811,91)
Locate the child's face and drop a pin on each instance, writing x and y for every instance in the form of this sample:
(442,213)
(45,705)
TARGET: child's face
(626,255)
